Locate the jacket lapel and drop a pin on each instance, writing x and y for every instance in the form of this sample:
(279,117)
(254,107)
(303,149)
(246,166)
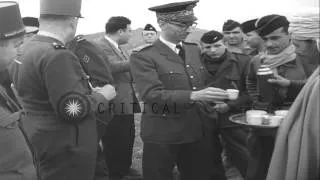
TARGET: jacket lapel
(115,49)
(167,52)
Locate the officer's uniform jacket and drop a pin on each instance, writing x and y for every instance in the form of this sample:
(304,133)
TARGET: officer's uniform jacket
(165,81)
(60,109)
(125,101)
(48,76)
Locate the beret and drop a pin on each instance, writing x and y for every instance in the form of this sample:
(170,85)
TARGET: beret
(230,25)
(211,37)
(249,26)
(267,24)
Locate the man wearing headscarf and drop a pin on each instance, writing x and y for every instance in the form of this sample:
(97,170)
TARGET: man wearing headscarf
(304,31)
(296,154)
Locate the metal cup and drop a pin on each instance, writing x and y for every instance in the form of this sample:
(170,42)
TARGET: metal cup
(265,89)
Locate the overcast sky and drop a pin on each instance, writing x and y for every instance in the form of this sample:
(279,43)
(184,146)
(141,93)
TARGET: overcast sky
(211,13)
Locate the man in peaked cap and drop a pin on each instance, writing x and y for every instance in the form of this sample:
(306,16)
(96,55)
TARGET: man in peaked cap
(16,157)
(169,78)
(59,106)
(149,34)
(281,58)
(255,43)
(228,72)
(31,23)
(233,36)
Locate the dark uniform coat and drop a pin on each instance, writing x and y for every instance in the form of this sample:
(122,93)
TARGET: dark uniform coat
(16,158)
(164,82)
(59,108)
(230,75)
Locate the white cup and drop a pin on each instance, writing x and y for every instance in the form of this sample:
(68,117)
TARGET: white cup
(276,120)
(282,113)
(255,119)
(232,94)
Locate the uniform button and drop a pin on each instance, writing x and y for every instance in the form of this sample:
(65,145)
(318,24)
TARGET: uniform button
(187,65)
(164,115)
(171,72)
(194,88)
(191,77)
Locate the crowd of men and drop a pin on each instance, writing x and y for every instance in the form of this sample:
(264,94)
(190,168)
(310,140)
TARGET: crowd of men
(67,103)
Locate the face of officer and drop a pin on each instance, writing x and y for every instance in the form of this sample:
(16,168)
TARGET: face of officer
(8,51)
(73,28)
(125,35)
(176,32)
(214,50)
(233,37)
(276,41)
(254,40)
(149,36)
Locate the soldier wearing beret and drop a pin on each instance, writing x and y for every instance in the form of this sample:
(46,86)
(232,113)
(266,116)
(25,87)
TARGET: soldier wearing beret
(16,157)
(255,43)
(281,58)
(149,34)
(227,72)
(60,108)
(233,36)
(170,79)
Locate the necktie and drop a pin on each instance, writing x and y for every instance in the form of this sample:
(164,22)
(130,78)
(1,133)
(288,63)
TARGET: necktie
(181,51)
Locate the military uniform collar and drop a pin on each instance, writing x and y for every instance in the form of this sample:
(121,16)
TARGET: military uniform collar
(169,44)
(52,35)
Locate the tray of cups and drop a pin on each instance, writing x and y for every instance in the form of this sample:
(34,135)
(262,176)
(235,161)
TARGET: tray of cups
(259,119)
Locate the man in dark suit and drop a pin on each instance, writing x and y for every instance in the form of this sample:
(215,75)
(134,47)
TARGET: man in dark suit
(119,138)
(170,79)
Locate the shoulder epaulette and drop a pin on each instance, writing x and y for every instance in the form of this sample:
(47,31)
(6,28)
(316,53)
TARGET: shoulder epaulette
(190,43)
(58,46)
(80,38)
(140,48)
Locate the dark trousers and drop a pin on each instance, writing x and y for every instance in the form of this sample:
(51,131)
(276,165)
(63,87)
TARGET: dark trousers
(118,144)
(235,140)
(194,160)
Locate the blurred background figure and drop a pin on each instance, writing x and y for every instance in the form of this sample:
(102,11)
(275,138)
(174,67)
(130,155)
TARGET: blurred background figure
(255,44)
(149,34)
(233,36)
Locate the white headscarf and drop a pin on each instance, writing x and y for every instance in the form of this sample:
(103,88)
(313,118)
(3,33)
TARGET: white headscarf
(305,26)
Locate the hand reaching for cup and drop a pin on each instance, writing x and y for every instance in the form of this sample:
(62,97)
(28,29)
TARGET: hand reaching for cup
(209,94)
(279,80)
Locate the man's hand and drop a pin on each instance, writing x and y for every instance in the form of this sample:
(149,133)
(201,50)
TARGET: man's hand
(221,107)
(279,80)
(209,94)
(108,91)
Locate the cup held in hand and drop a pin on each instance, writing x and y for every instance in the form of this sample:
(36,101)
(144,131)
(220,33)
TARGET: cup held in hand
(232,94)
